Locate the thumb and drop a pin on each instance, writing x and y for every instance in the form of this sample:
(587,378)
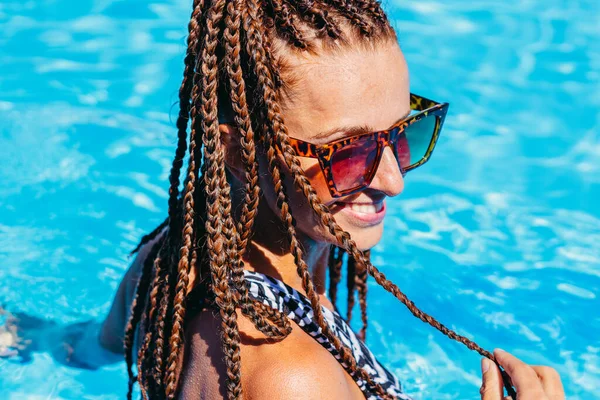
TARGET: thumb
(491,387)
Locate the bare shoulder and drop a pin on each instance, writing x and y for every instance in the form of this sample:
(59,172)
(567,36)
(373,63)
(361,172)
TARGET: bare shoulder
(299,373)
(296,367)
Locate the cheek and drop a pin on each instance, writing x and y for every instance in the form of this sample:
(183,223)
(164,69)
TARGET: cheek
(311,169)
(365,238)
(313,172)
(306,221)
(298,202)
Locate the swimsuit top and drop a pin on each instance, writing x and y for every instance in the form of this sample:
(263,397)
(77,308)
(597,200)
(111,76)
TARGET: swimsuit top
(296,307)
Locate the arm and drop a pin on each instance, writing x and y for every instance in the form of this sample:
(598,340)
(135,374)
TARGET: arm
(112,330)
(102,343)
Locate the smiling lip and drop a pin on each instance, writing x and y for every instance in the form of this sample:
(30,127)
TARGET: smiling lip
(365,214)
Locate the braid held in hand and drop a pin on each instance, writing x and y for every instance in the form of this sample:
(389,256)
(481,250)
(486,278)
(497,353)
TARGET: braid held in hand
(361,285)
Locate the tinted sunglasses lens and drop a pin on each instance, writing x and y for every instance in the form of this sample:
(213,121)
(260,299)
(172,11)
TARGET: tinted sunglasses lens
(351,164)
(412,144)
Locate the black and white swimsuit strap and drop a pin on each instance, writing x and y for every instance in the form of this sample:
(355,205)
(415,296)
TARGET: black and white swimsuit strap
(296,306)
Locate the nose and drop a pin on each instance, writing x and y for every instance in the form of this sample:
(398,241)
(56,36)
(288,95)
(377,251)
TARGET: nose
(388,178)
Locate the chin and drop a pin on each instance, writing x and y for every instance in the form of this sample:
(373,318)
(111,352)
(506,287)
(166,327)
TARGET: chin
(365,238)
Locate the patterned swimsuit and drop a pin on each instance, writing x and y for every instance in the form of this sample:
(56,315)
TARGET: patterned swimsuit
(296,306)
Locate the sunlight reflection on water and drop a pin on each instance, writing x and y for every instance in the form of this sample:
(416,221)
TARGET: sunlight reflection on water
(497,236)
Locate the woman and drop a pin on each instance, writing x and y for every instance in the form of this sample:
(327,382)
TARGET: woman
(300,128)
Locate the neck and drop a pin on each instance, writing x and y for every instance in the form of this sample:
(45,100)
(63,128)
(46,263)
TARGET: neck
(269,253)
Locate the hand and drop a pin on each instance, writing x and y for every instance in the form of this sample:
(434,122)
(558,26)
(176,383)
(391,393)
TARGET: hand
(531,382)
(10,341)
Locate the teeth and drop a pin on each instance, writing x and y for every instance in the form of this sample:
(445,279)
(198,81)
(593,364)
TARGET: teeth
(367,208)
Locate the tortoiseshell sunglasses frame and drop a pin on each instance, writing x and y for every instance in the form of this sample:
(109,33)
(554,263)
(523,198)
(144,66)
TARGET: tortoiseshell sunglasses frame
(324,152)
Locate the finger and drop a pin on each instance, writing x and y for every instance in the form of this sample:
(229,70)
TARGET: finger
(550,381)
(491,387)
(522,375)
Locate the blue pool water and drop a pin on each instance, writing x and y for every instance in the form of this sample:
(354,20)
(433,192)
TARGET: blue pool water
(498,236)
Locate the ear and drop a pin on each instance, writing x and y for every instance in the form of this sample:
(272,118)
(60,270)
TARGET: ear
(231,143)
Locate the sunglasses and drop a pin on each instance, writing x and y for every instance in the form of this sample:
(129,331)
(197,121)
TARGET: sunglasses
(349,165)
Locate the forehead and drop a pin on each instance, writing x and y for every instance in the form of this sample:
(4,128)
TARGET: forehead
(347,88)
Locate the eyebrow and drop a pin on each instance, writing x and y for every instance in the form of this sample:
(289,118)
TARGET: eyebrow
(353,130)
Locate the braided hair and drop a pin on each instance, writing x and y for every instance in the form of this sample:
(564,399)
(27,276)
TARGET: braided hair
(230,68)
